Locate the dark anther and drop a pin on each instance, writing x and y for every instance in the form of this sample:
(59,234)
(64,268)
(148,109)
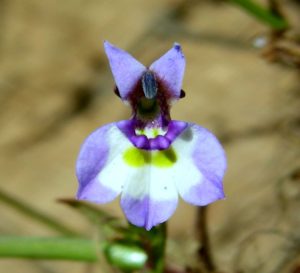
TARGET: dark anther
(182,94)
(116,91)
(149,85)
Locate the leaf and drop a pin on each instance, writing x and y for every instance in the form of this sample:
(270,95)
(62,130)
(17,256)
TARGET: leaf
(48,248)
(35,214)
(91,212)
(262,14)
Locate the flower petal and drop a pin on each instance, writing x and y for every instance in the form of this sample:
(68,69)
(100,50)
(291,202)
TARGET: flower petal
(127,71)
(159,142)
(148,212)
(151,196)
(170,70)
(98,168)
(201,166)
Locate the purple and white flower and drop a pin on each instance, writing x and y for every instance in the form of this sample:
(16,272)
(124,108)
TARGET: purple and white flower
(150,159)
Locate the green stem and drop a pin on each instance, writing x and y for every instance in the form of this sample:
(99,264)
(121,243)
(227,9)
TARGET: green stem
(48,248)
(35,214)
(262,14)
(204,251)
(159,239)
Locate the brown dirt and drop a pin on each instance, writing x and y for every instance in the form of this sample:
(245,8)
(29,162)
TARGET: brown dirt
(56,87)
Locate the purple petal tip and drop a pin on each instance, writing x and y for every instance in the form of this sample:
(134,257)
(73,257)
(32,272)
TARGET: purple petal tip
(177,46)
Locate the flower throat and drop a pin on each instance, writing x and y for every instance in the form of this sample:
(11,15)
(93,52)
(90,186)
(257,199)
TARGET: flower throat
(149,103)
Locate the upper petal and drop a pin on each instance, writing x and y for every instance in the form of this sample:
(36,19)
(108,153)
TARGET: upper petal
(203,165)
(170,70)
(127,71)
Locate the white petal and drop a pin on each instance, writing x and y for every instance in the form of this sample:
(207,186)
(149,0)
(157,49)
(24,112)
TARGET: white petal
(201,167)
(150,197)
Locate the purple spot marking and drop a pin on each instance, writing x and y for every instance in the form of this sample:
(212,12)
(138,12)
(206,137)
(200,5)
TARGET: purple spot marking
(175,128)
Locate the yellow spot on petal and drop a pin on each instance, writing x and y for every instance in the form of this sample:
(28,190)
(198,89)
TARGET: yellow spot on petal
(140,132)
(135,157)
(165,158)
(155,132)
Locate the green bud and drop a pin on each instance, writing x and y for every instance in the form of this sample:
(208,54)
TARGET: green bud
(126,257)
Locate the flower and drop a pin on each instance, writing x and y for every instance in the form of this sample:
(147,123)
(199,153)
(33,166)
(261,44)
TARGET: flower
(150,159)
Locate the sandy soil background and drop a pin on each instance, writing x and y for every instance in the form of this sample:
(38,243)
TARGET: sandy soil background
(56,87)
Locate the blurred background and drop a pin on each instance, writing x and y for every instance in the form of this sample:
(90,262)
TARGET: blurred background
(56,87)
